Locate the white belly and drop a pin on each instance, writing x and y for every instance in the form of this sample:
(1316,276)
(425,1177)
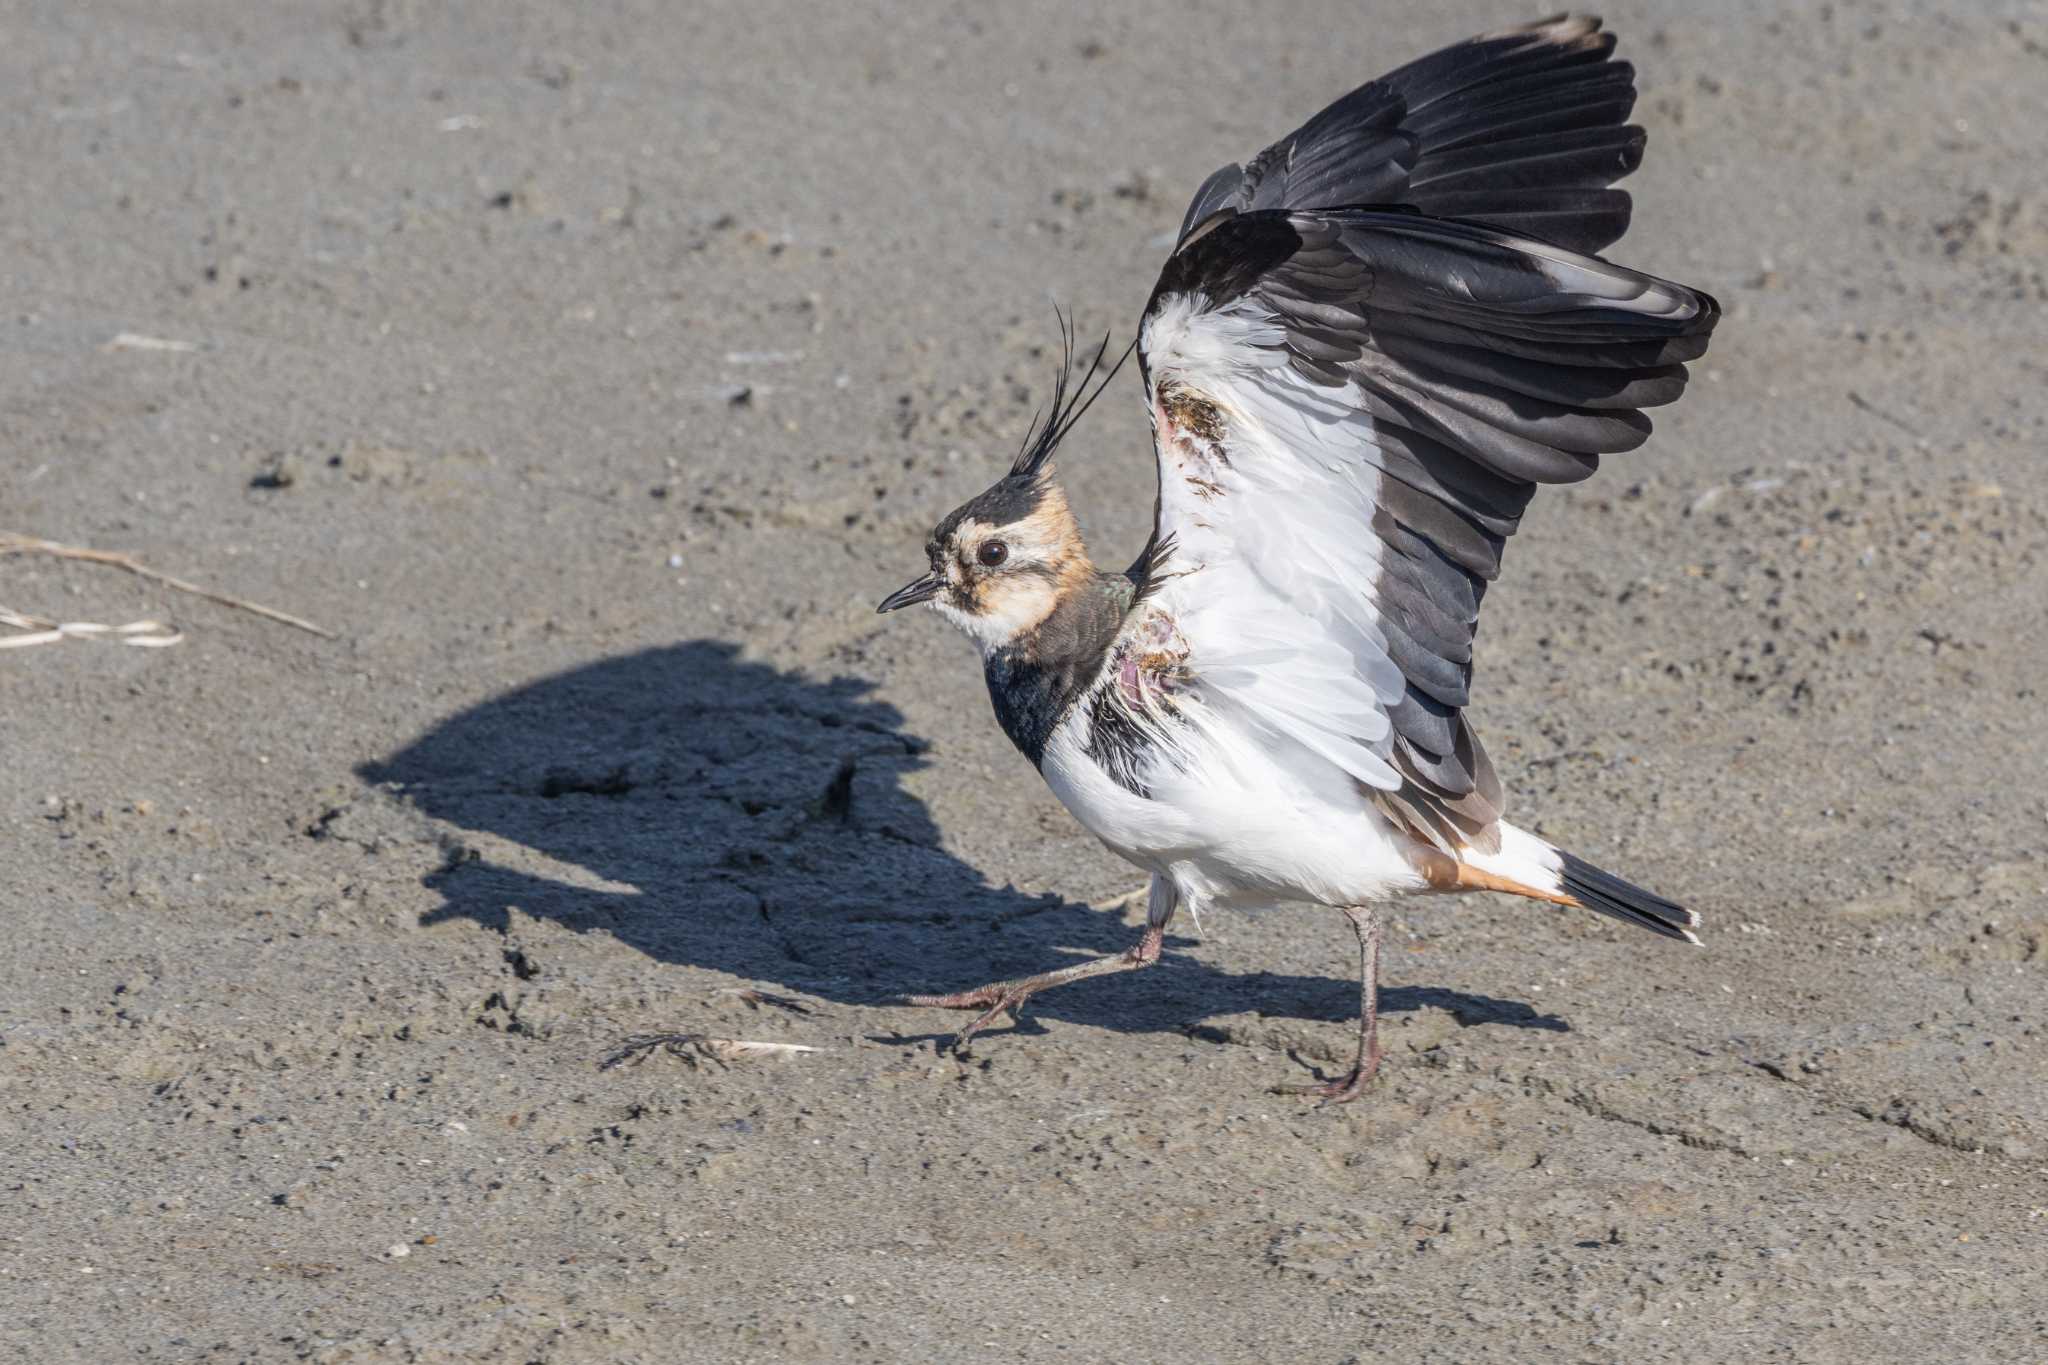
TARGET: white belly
(1231,826)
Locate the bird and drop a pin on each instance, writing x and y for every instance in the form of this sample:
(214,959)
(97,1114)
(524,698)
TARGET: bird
(1369,346)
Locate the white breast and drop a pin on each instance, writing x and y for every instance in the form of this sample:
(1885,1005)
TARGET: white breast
(1227,824)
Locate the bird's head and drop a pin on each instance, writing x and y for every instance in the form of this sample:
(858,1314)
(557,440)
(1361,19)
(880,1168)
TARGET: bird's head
(1002,561)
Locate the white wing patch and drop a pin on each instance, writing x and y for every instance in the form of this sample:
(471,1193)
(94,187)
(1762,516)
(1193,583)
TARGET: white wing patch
(1268,484)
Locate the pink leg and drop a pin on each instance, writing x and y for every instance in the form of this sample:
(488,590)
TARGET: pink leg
(1365,921)
(1000,997)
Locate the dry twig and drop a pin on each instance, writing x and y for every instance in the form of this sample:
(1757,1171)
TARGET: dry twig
(692,1046)
(756,998)
(43,631)
(136,341)
(14,543)
(1123,902)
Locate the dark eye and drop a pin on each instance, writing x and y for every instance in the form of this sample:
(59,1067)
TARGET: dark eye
(993,552)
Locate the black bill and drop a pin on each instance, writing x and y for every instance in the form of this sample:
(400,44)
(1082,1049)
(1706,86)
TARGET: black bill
(910,594)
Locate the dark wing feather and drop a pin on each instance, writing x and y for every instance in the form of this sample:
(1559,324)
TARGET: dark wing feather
(1486,363)
(1354,152)
(1524,128)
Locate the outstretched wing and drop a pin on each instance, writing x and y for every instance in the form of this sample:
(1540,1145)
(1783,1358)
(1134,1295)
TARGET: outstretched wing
(1524,128)
(1351,409)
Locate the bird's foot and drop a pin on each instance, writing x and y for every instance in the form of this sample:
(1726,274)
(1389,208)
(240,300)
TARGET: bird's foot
(994,1000)
(998,998)
(1341,1090)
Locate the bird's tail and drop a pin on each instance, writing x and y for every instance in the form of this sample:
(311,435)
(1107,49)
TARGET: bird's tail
(1529,866)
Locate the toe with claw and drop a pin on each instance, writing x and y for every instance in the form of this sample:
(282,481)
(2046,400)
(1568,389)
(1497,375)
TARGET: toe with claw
(993,1000)
(1341,1089)
(1003,997)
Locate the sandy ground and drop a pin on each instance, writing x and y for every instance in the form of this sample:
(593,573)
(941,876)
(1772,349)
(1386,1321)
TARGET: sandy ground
(592,370)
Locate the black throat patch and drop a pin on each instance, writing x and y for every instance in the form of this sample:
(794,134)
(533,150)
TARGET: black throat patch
(1035,680)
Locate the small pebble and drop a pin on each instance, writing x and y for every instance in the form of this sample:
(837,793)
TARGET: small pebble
(397,1251)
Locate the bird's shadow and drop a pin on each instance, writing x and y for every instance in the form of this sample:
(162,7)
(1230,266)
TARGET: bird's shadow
(720,813)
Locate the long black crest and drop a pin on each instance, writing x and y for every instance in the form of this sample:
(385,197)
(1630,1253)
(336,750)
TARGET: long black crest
(1051,425)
